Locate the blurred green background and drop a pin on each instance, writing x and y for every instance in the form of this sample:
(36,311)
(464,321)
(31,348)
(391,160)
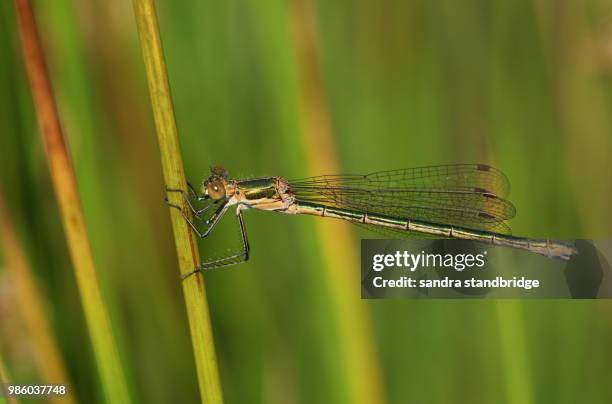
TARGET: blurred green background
(523,85)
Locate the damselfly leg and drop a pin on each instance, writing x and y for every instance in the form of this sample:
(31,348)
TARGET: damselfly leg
(233,259)
(190,197)
(198,221)
(209,224)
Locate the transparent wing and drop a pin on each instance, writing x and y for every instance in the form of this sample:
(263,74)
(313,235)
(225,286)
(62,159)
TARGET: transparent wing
(467,195)
(467,177)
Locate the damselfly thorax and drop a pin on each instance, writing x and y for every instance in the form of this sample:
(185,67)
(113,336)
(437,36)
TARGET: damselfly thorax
(271,193)
(463,201)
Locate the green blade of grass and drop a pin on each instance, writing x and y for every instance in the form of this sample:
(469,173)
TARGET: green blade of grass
(64,183)
(361,380)
(174,176)
(513,350)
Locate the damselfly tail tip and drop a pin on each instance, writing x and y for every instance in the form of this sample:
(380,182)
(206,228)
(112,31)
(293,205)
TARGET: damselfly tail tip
(565,252)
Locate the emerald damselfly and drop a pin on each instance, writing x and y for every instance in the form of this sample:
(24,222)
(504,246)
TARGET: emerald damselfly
(460,201)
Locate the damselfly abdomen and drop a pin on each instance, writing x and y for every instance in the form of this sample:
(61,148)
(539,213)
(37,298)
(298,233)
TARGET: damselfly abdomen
(463,201)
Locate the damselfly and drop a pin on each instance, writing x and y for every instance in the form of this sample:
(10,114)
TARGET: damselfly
(463,201)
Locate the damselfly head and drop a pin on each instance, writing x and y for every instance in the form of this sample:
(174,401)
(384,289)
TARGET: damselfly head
(218,171)
(214,185)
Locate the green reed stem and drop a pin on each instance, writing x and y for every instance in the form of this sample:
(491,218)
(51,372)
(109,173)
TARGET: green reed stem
(65,185)
(174,176)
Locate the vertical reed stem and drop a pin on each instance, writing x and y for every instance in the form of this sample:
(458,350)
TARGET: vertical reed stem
(174,176)
(65,185)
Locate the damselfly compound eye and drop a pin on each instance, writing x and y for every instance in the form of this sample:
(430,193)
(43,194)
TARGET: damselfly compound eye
(216,190)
